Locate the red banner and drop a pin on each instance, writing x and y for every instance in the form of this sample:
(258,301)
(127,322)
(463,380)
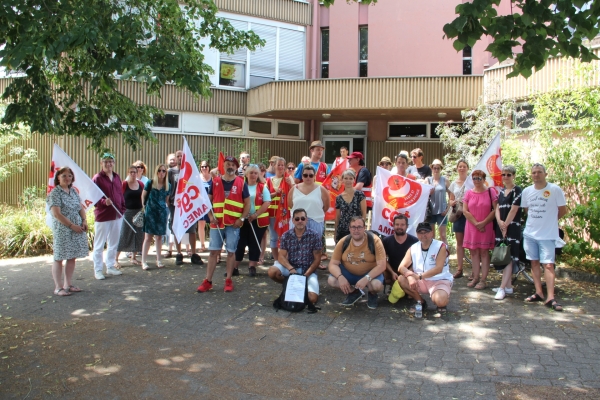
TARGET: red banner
(333,183)
(282,220)
(221,163)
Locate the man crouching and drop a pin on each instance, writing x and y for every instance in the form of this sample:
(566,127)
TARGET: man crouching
(358,263)
(425,269)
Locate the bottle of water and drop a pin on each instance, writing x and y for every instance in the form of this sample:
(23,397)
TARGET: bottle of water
(418,310)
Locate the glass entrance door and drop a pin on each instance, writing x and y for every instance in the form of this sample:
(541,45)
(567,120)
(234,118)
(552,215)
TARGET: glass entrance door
(332,148)
(352,135)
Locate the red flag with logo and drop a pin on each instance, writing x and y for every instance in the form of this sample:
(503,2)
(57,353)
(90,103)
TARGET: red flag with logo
(282,220)
(333,183)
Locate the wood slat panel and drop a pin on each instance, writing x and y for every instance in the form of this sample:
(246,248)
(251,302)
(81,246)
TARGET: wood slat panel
(291,11)
(367,93)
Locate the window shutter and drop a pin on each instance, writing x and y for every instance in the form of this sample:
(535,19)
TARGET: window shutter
(291,54)
(262,61)
(238,55)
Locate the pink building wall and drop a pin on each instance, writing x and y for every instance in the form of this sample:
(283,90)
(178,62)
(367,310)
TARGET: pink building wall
(405,38)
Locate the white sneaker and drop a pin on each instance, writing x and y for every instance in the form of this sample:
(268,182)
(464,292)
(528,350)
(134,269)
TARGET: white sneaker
(98,275)
(506,291)
(500,294)
(113,271)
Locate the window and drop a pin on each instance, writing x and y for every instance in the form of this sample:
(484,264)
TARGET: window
(325,53)
(263,60)
(259,127)
(288,129)
(232,67)
(170,121)
(344,129)
(467,60)
(407,131)
(363,49)
(232,125)
(523,118)
(291,55)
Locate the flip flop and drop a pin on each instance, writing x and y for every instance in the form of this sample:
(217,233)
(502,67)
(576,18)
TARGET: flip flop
(73,289)
(61,292)
(553,304)
(534,298)
(160,264)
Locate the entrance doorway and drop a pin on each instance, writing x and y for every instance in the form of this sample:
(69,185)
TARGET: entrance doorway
(336,135)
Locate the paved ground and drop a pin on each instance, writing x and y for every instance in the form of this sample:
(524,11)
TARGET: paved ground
(151,335)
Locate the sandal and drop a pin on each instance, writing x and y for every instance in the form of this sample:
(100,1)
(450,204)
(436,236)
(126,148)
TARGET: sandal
(136,262)
(553,304)
(168,254)
(458,274)
(440,312)
(473,283)
(61,292)
(117,266)
(481,285)
(145,266)
(534,298)
(160,264)
(471,277)
(73,289)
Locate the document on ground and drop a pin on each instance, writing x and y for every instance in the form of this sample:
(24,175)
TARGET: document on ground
(295,288)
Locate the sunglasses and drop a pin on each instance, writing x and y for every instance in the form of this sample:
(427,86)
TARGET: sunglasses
(509,175)
(290,168)
(204,166)
(162,170)
(139,167)
(414,156)
(356,228)
(300,219)
(477,178)
(308,176)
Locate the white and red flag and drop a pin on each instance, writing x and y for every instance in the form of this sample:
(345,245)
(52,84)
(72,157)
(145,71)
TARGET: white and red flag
(491,164)
(395,195)
(335,187)
(191,199)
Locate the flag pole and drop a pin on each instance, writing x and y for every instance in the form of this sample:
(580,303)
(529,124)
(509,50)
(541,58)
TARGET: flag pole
(121,215)
(255,237)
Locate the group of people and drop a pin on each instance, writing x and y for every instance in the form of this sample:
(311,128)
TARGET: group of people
(245,200)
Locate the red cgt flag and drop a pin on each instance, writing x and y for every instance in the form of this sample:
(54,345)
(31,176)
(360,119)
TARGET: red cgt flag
(333,183)
(221,163)
(282,220)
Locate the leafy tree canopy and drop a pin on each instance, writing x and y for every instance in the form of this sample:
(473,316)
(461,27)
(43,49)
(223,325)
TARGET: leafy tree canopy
(66,57)
(543,28)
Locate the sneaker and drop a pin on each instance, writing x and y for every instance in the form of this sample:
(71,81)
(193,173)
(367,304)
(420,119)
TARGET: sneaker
(228,285)
(196,259)
(352,298)
(236,272)
(506,290)
(113,271)
(252,271)
(179,259)
(500,294)
(372,300)
(99,275)
(205,286)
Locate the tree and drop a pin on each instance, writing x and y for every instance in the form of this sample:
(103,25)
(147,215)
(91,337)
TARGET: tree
(13,156)
(543,28)
(66,57)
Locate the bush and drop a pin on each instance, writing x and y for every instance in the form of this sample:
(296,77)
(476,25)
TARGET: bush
(23,229)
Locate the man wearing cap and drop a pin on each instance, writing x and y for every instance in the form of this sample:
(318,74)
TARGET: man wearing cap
(316,153)
(419,169)
(107,225)
(173,177)
(364,179)
(244,161)
(231,205)
(357,265)
(342,159)
(425,269)
(271,169)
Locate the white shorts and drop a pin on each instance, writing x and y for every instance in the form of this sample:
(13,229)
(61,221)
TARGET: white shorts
(313,281)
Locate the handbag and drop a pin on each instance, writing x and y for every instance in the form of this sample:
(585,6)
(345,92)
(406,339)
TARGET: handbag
(501,254)
(138,219)
(456,211)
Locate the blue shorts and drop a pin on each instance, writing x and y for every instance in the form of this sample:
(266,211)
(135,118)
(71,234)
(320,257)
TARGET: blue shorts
(543,251)
(352,279)
(459,225)
(231,236)
(312,281)
(437,219)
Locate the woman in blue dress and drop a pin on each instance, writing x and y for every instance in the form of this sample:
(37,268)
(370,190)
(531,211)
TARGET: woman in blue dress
(155,199)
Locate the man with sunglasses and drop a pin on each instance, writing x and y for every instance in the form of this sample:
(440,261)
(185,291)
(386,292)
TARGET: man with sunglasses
(299,253)
(357,265)
(419,169)
(173,177)
(107,225)
(425,269)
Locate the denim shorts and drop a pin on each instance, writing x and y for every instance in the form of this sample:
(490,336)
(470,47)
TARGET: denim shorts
(273,238)
(352,279)
(231,236)
(313,281)
(543,251)
(458,226)
(437,219)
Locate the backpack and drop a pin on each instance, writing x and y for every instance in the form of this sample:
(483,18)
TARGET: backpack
(292,306)
(370,242)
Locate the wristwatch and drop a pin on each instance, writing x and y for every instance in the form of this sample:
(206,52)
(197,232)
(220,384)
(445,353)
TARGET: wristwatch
(420,277)
(368,277)
(242,219)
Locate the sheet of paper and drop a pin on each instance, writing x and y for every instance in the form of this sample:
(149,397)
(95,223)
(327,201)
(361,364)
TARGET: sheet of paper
(295,288)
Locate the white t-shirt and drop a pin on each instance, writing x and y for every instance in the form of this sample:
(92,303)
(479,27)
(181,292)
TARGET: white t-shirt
(542,214)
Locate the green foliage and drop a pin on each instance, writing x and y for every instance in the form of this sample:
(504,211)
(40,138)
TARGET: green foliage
(23,229)
(211,155)
(67,58)
(543,28)
(14,156)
